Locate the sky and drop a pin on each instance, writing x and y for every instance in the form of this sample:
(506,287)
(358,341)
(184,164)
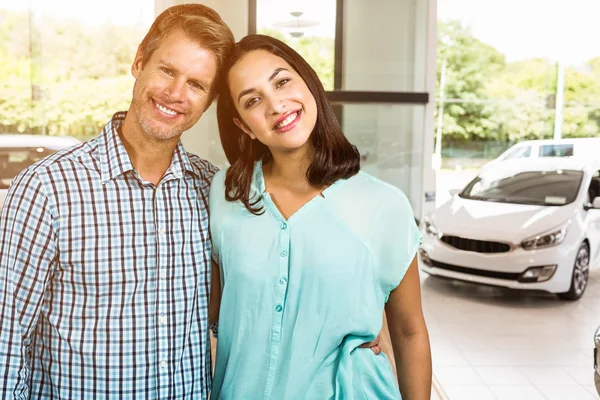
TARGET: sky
(568,30)
(554,29)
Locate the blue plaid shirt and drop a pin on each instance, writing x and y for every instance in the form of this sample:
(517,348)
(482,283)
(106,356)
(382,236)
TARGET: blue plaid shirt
(104,277)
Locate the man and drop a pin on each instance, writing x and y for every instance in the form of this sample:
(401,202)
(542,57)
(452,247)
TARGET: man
(104,247)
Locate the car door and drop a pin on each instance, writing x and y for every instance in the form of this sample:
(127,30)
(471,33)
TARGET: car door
(593,218)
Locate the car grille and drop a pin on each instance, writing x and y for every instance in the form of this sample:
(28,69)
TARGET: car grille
(477,246)
(513,276)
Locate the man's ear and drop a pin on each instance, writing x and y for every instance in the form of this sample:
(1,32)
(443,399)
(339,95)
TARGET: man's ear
(242,126)
(136,67)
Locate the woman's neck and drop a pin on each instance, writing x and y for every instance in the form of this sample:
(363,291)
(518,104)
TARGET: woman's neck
(288,170)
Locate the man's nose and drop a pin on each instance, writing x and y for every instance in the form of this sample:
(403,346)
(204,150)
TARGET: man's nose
(175,91)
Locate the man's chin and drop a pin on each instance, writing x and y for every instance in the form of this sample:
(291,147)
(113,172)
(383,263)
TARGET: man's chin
(161,134)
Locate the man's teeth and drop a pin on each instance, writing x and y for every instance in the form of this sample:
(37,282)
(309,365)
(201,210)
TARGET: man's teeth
(166,110)
(286,121)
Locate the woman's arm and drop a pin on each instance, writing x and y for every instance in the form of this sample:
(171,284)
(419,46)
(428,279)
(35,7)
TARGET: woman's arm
(214,304)
(409,337)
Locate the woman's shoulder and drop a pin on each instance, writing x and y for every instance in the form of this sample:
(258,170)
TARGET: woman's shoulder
(217,186)
(377,191)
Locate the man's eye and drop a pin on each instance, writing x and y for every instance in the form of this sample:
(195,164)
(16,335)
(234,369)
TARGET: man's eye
(167,71)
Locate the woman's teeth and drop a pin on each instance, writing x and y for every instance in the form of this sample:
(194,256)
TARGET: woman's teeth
(287,121)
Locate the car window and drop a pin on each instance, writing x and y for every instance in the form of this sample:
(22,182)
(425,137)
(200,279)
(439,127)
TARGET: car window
(556,150)
(15,160)
(519,152)
(594,188)
(548,188)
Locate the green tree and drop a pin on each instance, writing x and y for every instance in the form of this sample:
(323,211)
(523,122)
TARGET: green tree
(469,63)
(83,74)
(319,52)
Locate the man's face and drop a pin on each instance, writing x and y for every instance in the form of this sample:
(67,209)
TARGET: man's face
(172,90)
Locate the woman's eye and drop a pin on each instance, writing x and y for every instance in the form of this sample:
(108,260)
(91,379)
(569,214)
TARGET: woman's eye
(282,82)
(251,102)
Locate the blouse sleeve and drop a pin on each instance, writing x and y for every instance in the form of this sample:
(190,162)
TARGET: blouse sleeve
(399,238)
(216,199)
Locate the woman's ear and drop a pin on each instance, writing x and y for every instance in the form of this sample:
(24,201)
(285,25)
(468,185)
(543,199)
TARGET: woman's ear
(243,127)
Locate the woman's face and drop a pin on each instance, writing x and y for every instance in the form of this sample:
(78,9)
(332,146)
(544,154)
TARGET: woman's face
(274,103)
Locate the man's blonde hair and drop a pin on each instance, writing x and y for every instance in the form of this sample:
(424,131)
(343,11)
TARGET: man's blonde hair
(199,23)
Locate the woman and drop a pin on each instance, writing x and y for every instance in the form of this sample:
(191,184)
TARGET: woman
(308,250)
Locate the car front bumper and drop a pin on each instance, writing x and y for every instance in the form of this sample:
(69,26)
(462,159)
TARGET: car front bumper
(499,269)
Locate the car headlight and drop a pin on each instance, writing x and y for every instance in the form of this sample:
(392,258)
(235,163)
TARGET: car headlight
(545,240)
(430,228)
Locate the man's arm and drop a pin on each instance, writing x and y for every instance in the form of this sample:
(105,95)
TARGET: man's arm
(409,336)
(27,258)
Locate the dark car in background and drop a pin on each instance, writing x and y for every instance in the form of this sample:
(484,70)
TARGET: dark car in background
(17,152)
(597,359)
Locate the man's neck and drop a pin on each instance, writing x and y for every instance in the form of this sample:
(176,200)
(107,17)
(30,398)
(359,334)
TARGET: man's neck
(150,157)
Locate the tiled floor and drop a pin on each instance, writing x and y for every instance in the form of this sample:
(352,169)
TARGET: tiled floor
(490,343)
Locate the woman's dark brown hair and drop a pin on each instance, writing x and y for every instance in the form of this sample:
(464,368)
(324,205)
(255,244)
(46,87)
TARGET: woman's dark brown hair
(333,156)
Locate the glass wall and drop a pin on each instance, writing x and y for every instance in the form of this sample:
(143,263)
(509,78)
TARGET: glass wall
(65,66)
(506,76)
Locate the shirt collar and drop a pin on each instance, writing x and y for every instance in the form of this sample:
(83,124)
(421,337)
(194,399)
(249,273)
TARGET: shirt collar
(258,180)
(115,161)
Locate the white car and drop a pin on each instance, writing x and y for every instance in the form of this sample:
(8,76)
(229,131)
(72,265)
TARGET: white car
(524,224)
(17,152)
(579,147)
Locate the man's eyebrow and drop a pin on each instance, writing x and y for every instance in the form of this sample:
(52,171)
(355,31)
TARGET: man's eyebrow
(250,90)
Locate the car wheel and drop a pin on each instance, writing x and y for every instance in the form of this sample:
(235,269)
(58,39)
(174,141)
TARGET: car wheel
(581,273)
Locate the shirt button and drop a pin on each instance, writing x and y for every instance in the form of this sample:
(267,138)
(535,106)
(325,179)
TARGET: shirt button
(163,364)
(283,253)
(163,275)
(282,281)
(278,308)
(163,320)
(283,225)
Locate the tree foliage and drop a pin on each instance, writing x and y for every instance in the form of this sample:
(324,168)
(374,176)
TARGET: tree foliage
(63,78)
(494,100)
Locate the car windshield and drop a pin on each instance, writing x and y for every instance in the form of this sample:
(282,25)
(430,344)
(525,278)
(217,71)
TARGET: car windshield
(548,188)
(15,160)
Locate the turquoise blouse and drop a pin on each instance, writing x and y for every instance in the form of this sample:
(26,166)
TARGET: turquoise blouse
(300,295)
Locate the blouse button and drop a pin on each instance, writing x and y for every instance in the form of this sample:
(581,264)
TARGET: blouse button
(283,253)
(282,281)
(283,225)
(278,308)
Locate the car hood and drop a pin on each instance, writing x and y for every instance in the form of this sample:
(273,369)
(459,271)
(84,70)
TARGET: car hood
(504,222)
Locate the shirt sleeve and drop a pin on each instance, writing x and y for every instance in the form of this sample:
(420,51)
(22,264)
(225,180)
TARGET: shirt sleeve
(399,240)
(27,259)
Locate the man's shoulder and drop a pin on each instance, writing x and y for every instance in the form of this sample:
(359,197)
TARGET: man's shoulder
(204,168)
(68,157)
